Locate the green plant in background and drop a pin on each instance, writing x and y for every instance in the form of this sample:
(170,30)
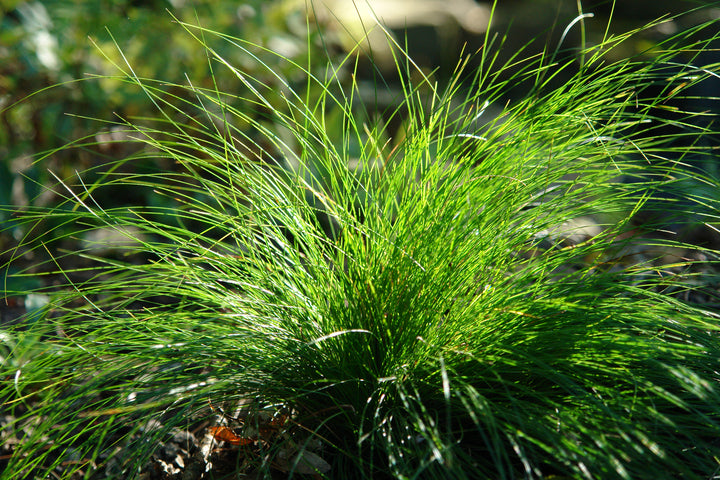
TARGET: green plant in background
(410,303)
(44,48)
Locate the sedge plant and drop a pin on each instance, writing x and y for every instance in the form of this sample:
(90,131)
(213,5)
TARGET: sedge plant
(377,302)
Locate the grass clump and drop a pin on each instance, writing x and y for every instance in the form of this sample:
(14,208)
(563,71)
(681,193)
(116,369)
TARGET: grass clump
(407,303)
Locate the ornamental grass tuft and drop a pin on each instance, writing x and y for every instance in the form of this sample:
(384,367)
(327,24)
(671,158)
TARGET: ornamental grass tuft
(460,285)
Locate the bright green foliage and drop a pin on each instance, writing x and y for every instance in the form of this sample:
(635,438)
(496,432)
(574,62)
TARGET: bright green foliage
(407,296)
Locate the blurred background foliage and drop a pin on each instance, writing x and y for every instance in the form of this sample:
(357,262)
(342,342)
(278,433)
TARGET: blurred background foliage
(52,43)
(46,46)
